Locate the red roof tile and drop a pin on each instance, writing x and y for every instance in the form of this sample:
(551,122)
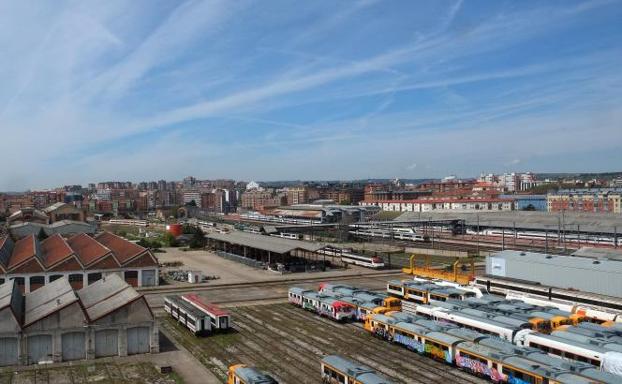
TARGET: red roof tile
(54,249)
(24,249)
(87,249)
(123,250)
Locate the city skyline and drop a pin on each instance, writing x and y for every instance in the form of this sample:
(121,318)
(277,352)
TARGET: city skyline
(312,91)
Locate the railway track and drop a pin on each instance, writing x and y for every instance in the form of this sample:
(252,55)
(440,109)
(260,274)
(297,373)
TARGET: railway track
(163,290)
(288,342)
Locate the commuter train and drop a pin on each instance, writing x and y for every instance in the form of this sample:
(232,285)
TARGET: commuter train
(487,355)
(396,233)
(241,374)
(552,236)
(220,319)
(339,370)
(422,291)
(322,304)
(195,320)
(593,307)
(284,235)
(342,303)
(351,258)
(134,222)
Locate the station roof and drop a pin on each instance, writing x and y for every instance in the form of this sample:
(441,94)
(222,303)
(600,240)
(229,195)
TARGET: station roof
(106,295)
(48,299)
(587,222)
(266,243)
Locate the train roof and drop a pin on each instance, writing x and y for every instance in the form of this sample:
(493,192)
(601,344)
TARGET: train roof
(466,334)
(298,290)
(480,350)
(572,378)
(384,319)
(511,321)
(186,307)
(403,316)
(443,337)
(529,365)
(361,373)
(368,296)
(254,376)
(448,291)
(434,325)
(589,346)
(485,299)
(501,345)
(486,321)
(410,327)
(208,307)
(544,358)
(596,374)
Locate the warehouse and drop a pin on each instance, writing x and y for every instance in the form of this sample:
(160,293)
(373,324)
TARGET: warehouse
(82,259)
(107,318)
(602,275)
(268,249)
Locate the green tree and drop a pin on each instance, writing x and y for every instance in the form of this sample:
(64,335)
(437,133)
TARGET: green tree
(169,239)
(198,239)
(42,235)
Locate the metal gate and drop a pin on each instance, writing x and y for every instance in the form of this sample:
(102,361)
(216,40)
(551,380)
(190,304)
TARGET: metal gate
(39,348)
(148,278)
(137,340)
(73,346)
(106,343)
(8,351)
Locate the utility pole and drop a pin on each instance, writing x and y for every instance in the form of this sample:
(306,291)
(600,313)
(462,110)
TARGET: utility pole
(546,241)
(477,234)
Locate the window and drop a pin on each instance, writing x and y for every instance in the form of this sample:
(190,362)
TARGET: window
(37,280)
(55,277)
(75,278)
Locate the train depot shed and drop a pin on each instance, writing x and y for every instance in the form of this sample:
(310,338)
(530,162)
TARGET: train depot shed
(57,323)
(293,254)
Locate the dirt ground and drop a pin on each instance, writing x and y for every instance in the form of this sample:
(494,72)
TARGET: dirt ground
(232,272)
(288,343)
(111,372)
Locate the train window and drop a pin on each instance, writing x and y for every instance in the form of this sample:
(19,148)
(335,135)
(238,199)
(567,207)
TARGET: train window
(556,351)
(595,362)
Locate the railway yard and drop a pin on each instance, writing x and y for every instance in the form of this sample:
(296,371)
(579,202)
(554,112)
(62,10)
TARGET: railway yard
(288,343)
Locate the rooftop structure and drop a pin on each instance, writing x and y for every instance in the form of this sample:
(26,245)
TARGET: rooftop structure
(602,276)
(81,258)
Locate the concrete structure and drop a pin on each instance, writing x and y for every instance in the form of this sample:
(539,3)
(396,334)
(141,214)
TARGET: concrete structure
(56,323)
(585,273)
(586,200)
(62,211)
(81,259)
(428,205)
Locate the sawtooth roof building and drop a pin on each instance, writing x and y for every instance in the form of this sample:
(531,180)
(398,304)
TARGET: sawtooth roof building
(82,259)
(57,323)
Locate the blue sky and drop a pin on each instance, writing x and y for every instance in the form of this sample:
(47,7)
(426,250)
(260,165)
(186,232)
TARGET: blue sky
(272,90)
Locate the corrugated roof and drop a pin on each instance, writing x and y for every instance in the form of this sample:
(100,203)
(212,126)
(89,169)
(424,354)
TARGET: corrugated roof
(48,299)
(106,295)
(54,249)
(582,263)
(24,249)
(123,250)
(6,249)
(87,248)
(6,292)
(266,243)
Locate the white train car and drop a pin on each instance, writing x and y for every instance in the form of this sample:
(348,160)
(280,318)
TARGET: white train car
(219,319)
(190,317)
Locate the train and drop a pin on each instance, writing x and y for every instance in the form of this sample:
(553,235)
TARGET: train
(341,302)
(275,219)
(285,235)
(242,374)
(198,317)
(134,222)
(397,234)
(352,258)
(196,321)
(489,356)
(422,291)
(552,236)
(593,307)
(220,319)
(339,370)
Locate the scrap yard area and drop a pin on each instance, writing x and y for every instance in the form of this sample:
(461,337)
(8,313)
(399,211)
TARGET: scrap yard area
(288,342)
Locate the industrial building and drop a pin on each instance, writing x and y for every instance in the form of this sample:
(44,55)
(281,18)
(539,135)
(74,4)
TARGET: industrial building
(599,273)
(82,259)
(268,249)
(56,323)
(429,205)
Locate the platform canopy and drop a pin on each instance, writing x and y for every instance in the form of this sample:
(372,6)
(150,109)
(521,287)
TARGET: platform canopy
(265,243)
